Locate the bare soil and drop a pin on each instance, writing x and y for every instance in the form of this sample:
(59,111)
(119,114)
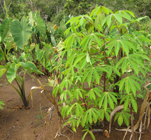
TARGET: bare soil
(29,124)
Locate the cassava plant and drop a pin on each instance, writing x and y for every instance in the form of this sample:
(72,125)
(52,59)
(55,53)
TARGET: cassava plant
(104,55)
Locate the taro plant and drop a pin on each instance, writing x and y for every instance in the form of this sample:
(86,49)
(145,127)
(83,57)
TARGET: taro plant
(19,77)
(104,55)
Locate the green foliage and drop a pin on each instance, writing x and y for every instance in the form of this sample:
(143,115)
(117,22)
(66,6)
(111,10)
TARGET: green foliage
(1,104)
(22,33)
(103,60)
(4,28)
(12,74)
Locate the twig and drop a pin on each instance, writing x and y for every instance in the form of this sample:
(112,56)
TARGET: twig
(125,133)
(140,130)
(96,130)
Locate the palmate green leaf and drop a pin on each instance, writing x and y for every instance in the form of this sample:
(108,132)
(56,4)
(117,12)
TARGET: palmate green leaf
(126,118)
(105,103)
(107,116)
(88,58)
(73,19)
(21,32)
(78,93)
(41,25)
(126,103)
(107,10)
(96,76)
(91,94)
(108,20)
(64,95)
(125,15)
(79,58)
(4,28)
(110,102)
(117,48)
(95,11)
(70,60)
(134,103)
(134,66)
(120,120)
(125,47)
(90,78)
(69,41)
(129,12)
(84,119)
(129,84)
(124,65)
(78,110)
(111,45)
(118,18)
(12,71)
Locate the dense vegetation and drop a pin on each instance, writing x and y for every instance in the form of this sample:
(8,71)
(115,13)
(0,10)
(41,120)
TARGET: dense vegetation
(98,63)
(53,11)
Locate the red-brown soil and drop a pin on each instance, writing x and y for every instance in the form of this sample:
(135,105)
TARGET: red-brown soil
(22,124)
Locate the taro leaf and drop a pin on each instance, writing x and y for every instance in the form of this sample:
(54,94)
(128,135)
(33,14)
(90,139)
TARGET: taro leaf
(4,28)
(31,18)
(53,41)
(11,73)
(31,67)
(40,23)
(3,69)
(21,31)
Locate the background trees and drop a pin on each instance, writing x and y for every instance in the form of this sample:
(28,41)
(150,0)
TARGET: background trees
(53,10)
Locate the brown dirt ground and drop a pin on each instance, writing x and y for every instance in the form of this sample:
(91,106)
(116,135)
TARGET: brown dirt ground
(22,124)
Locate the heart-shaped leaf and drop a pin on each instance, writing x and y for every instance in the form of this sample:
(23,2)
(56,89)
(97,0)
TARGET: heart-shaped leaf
(21,31)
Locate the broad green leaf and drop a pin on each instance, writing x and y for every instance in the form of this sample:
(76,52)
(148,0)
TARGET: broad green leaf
(31,67)
(21,32)
(31,18)
(40,23)
(12,71)
(3,69)
(4,28)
